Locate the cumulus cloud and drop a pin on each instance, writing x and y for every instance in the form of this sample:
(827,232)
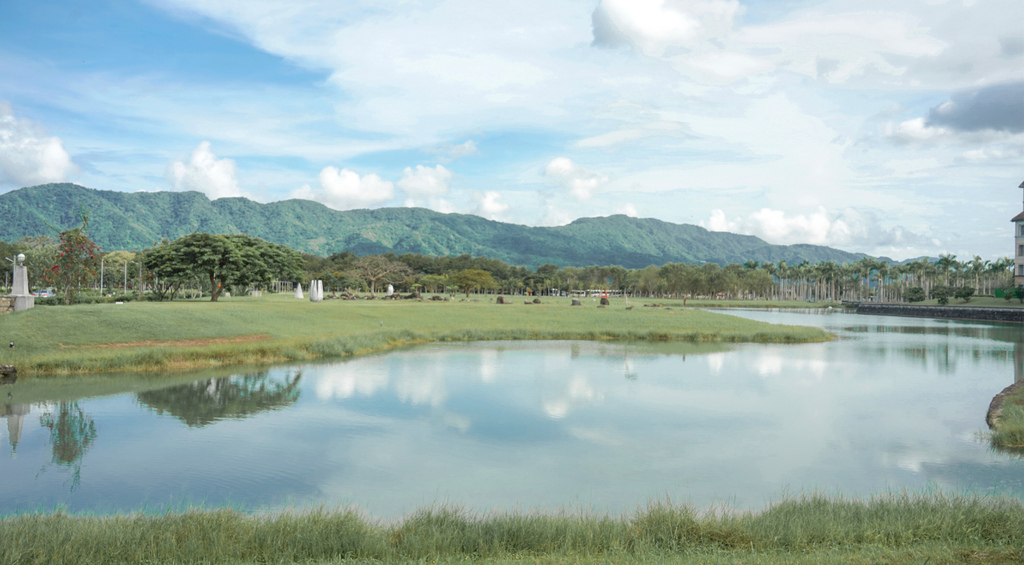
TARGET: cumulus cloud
(27,155)
(626,208)
(205,173)
(555,216)
(580,182)
(998,107)
(426,184)
(490,206)
(425,181)
(849,229)
(345,190)
(915,130)
(654,26)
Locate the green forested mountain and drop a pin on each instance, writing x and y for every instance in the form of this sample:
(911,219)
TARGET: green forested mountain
(132,221)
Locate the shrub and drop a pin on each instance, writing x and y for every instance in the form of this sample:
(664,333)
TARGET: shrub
(964,293)
(942,294)
(916,294)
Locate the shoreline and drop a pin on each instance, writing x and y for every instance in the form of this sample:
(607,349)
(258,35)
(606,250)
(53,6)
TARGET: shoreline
(153,336)
(970,313)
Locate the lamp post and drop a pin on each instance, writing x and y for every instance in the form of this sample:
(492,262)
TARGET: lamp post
(13,273)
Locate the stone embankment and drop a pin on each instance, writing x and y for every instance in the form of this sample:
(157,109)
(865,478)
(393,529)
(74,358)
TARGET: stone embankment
(955,312)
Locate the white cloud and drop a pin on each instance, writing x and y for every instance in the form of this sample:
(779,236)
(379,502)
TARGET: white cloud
(726,66)
(463,150)
(27,155)
(205,173)
(344,189)
(425,181)
(580,182)
(490,206)
(555,216)
(992,154)
(448,152)
(851,229)
(429,185)
(654,26)
(645,131)
(837,47)
(915,130)
(627,209)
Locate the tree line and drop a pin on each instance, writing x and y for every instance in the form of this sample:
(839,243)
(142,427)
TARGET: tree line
(209,264)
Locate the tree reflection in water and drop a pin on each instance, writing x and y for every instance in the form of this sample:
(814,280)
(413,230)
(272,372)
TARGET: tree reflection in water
(203,402)
(72,433)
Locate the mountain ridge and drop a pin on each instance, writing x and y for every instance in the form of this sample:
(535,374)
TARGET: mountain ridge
(133,221)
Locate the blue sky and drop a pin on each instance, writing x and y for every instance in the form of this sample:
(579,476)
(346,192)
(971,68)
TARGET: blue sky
(888,127)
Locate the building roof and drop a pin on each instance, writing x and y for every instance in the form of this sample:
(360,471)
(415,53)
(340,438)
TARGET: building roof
(1018,217)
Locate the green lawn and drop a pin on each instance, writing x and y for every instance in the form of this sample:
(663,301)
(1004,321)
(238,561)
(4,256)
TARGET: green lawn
(187,334)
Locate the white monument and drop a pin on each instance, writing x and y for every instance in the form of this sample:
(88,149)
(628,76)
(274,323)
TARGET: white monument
(391,290)
(298,291)
(316,291)
(23,299)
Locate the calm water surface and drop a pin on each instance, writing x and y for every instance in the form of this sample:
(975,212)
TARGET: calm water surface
(894,403)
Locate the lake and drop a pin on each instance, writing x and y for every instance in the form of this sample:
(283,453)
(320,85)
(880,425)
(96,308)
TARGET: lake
(892,404)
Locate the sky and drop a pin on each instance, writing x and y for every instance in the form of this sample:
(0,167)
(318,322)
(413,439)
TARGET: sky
(894,128)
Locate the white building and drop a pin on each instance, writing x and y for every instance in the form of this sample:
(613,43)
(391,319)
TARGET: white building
(1018,253)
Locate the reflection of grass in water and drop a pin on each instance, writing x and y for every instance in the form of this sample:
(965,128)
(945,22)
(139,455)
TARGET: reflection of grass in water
(70,339)
(898,528)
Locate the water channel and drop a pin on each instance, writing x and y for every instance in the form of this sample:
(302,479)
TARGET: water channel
(894,403)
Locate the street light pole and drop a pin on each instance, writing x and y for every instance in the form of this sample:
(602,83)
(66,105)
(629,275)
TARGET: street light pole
(13,272)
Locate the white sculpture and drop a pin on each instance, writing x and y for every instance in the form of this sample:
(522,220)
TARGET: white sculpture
(298,291)
(391,290)
(316,291)
(23,299)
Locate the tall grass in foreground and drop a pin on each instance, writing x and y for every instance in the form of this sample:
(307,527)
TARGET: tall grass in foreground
(929,523)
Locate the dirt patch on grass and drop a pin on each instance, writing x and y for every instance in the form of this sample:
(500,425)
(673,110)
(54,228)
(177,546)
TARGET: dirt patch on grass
(185,342)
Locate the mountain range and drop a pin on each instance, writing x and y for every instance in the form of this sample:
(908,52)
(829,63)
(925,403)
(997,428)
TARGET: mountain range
(134,221)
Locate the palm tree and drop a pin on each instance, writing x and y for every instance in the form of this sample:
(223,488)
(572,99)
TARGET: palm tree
(945,263)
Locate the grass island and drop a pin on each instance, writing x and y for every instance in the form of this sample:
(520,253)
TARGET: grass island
(147,336)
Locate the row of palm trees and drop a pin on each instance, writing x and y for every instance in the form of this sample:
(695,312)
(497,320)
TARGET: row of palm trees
(873,279)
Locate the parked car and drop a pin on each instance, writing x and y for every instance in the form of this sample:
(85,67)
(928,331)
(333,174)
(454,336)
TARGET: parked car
(44,293)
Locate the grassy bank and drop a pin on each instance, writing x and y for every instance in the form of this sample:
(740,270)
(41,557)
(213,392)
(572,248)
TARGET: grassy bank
(1008,429)
(813,529)
(144,336)
(708,303)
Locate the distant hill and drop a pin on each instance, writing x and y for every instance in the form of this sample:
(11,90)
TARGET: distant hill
(133,221)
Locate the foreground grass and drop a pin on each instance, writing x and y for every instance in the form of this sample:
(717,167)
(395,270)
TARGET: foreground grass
(143,336)
(812,529)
